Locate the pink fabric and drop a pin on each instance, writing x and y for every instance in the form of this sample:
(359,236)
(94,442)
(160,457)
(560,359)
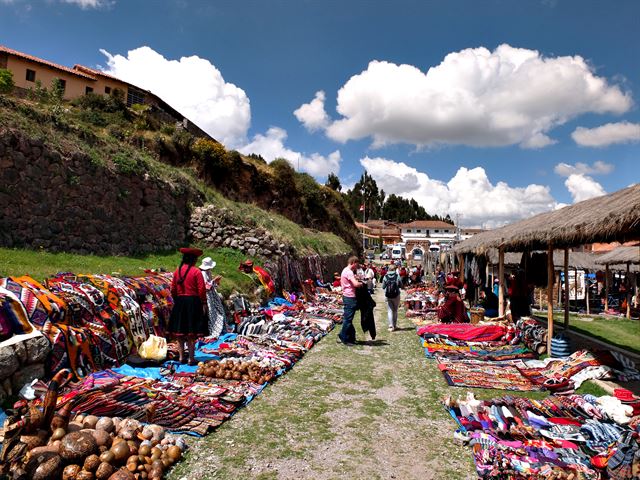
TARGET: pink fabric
(346,278)
(465,331)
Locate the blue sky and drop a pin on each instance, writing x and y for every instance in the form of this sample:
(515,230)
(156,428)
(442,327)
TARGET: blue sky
(482,134)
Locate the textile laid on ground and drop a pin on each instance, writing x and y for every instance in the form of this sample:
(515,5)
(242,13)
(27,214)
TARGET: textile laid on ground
(421,304)
(533,334)
(484,374)
(577,436)
(465,331)
(195,400)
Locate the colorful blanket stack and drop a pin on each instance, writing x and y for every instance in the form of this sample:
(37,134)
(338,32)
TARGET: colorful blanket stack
(572,437)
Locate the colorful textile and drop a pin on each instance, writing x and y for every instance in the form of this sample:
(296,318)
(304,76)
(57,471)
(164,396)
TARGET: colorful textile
(13,316)
(470,333)
(481,374)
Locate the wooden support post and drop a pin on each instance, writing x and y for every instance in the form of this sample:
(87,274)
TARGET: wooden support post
(575,286)
(627,282)
(550,276)
(586,291)
(566,288)
(487,280)
(501,280)
(606,288)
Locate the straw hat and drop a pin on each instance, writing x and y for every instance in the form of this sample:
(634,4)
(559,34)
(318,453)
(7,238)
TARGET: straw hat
(207,264)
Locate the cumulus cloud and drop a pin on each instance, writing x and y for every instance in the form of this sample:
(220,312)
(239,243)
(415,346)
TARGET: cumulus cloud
(192,85)
(86,4)
(598,167)
(469,192)
(582,187)
(473,97)
(609,134)
(272,145)
(313,115)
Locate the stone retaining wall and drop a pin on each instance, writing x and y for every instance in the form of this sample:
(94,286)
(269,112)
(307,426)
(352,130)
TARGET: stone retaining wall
(21,363)
(214,227)
(66,202)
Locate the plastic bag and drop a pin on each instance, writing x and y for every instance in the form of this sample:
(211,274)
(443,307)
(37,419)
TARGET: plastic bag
(153,348)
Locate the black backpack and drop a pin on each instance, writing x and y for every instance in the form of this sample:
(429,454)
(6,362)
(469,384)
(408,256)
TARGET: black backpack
(392,290)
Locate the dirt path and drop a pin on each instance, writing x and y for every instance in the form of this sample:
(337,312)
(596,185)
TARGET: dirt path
(369,411)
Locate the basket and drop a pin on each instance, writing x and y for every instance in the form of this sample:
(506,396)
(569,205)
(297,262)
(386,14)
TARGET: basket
(476,314)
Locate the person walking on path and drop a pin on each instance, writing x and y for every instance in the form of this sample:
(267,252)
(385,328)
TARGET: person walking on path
(370,277)
(349,283)
(391,286)
(188,318)
(217,317)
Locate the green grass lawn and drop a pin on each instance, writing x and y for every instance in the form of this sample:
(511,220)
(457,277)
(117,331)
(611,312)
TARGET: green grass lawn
(42,264)
(620,332)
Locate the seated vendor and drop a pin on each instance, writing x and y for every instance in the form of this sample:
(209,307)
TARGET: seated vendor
(336,280)
(453,310)
(322,284)
(489,302)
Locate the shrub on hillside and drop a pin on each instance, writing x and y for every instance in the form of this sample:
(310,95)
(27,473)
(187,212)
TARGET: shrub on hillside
(6,81)
(102,103)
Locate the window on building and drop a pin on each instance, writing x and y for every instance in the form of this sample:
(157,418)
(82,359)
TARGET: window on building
(88,90)
(63,84)
(31,75)
(418,231)
(437,231)
(134,96)
(107,90)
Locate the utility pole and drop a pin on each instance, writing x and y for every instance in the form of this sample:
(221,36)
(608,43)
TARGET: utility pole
(458,215)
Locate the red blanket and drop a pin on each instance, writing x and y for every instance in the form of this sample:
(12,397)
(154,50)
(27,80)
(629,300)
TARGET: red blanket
(465,331)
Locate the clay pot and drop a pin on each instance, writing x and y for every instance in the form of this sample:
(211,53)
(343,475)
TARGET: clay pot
(106,424)
(104,471)
(77,446)
(71,472)
(91,463)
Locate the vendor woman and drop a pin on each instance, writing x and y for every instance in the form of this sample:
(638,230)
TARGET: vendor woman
(453,309)
(189,314)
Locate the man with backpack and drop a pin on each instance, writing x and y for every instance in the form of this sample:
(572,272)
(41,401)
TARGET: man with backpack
(391,287)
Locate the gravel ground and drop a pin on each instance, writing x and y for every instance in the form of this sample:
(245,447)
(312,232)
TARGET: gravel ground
(370,411)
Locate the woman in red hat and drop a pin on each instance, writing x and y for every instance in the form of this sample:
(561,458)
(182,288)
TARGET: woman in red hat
(188,317)
(453,310)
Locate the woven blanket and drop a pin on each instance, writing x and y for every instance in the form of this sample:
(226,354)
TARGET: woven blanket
(465,331)
(482,374)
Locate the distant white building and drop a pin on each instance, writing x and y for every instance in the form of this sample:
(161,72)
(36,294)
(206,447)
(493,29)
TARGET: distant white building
(432,235)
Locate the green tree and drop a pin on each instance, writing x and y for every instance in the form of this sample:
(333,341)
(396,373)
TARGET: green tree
(333,182)
(6,81)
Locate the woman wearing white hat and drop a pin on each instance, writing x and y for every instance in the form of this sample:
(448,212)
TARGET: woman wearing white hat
(217,316)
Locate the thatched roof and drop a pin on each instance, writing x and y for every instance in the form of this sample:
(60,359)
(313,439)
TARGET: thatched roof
(609,218)
(620,255)
(580,260)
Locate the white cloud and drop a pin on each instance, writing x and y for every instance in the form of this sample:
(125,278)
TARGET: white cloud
(271,146)
(473,97)
(598,167)
(469,192)
(192,85)
(621,132)
(581,187)
(313,115)
(86,4)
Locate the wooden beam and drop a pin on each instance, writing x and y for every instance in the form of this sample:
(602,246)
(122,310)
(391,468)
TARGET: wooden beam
(606,288)
(566,288)
(501,280)
(550,276)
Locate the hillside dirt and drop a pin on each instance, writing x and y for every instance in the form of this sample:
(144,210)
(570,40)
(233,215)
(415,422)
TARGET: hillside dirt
(370,411)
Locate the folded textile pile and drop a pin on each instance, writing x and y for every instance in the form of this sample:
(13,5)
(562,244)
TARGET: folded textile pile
(578,436)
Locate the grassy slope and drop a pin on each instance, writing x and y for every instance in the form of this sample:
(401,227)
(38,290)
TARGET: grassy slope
(36,121)
(42,264)
(616,331)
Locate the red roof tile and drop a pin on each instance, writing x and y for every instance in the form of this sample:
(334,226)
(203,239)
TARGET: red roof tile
(45,62)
